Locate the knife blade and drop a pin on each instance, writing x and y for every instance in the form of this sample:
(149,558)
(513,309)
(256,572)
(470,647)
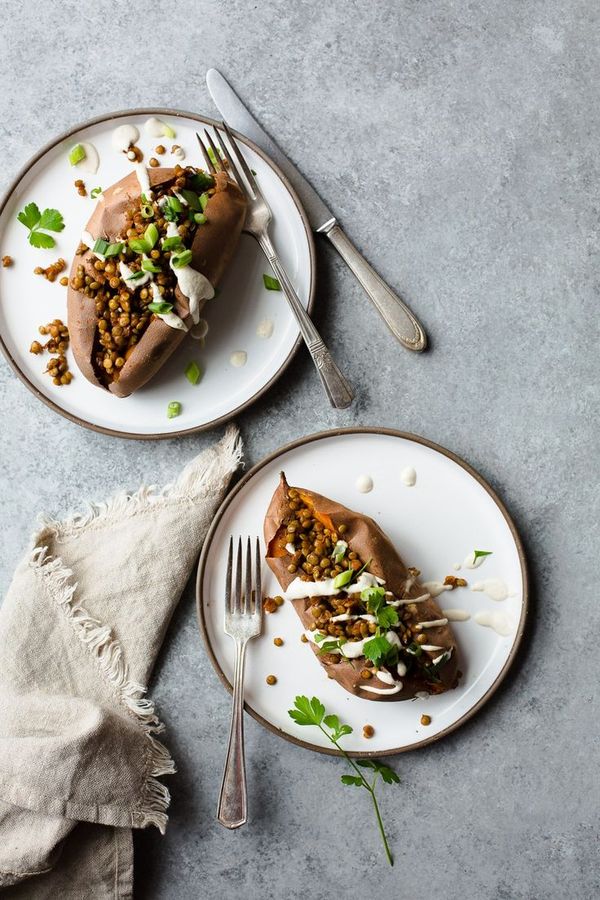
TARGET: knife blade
(398,317)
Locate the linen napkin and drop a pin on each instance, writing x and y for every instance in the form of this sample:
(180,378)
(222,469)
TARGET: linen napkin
(80,629)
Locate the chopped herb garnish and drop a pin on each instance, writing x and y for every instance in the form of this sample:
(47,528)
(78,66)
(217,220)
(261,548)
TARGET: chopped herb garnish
(173,409)
(172,209)
(34,220)
(373,598)
(200,219)
(192,199)
(148,265)
(95,192)
(312,712)
(114,249)
(193,372)
(151,235)
(414,649)
(168,131)
(172,243)
(339,551)
(181,259)
(271,283)
(135,276)
(340,581)
(201,182)
(160,307)
(378,648)
(101,246)
(204,198)
(147,211)
(479,553)
(139,245)
(77,154)
(387,617)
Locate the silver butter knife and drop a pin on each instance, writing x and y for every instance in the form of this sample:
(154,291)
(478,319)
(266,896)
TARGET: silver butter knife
(396,314)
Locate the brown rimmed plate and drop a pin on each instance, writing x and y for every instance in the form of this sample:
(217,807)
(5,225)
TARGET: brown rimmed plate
(436,525)
(237,317)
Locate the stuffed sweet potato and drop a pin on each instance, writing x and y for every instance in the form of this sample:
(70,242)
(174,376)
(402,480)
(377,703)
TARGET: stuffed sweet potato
(370,623)
(156,246)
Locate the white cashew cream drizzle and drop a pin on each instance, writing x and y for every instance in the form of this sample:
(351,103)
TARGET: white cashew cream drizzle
(124,136)
(432,623)
(497,621)
(435,588)
(494,588)
(408,476)
(456,615)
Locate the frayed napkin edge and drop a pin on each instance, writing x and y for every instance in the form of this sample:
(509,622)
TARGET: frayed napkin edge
(220,461)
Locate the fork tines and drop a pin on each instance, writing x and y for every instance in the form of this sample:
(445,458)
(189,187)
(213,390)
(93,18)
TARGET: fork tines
(245,602)
(214,163)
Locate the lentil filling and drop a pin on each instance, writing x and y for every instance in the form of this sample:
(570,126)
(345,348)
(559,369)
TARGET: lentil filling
(123,309)
(321,552)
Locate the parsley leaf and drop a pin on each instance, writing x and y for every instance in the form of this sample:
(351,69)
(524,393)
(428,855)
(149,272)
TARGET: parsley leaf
(312,712)
(387,617)
(33,219)
(377,649)
(40,239)
(478,553)
(307,712)
(51,220)
(271,283)
(352,779)
(388,775)
(30,216)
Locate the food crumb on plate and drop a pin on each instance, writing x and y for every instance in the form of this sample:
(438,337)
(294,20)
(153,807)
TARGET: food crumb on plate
(278,641)
(238,358)
(271,679)
(368,731)
(425,720)
(7,261)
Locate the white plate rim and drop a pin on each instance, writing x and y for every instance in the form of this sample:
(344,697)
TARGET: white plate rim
(204,120)
(372,430)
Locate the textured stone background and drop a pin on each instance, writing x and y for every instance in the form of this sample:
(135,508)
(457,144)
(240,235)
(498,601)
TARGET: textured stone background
(459,145)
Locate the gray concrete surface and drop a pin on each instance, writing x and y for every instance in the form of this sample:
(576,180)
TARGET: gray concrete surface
(459,145)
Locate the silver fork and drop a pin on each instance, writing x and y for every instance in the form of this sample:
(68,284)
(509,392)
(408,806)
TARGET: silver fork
(257,223)
(243,621)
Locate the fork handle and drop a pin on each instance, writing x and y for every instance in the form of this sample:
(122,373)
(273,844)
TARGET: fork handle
(232,810)
(403,324)
(338,390)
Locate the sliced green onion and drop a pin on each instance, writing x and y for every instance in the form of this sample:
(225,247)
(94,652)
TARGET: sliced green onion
(77,154)
(168,131)
(148,265)
(114,249)
(271,283)
(213,157)
(193,200)
(151,235)
(175,203)
(339,551)
(101,246)
(204,198)
(139,245)
(253,172)
(160,307)
(193,372)
(147,210)
(179,260)
(135,276)
(173,409)
(172,243)
(200,219)
(343,579)
(95,192)
(201,181)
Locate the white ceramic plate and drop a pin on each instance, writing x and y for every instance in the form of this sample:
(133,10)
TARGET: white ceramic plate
(448,513)
(28,300)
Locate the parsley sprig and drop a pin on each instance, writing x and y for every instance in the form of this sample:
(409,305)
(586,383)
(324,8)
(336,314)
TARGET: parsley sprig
(34,220)
(312,712)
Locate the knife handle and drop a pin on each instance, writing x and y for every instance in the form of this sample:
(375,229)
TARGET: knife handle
(396,314)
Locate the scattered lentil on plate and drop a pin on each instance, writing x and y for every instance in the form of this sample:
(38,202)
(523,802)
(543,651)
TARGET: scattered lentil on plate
(271,679)
(278,641)
(425,720)
(368,731)
(7,261)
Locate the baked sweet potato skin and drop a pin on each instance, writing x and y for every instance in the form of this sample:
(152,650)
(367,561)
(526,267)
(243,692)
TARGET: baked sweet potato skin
(370,543)
(212,249)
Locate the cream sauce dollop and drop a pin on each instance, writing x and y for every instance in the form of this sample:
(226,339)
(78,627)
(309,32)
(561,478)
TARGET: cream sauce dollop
(123,137)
